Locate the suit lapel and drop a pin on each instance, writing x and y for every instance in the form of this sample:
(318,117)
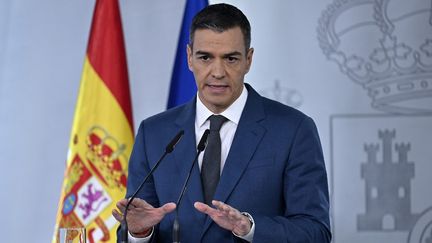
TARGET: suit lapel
(184,155)
(247,137)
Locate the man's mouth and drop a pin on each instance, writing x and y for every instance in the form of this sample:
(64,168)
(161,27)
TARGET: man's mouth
(217,87)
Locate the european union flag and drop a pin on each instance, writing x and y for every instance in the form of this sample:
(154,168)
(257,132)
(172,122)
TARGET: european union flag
(183,86)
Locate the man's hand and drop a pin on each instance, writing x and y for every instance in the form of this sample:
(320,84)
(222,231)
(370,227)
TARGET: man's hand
(226,217)
(141,216)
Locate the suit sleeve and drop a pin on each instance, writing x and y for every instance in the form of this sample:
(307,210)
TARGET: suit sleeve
(138,168)
(306,216)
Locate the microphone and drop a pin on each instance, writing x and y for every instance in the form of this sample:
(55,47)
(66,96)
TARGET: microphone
(169,148)
(201,146)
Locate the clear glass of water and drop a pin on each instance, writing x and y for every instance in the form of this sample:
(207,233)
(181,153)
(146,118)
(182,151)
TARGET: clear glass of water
(71,235)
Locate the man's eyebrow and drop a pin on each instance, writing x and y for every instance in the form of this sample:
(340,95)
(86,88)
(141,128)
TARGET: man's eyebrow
(234,53)
(202,53)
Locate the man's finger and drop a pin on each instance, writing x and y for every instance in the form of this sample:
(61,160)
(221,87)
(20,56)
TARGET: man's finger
(221,206)
(117,215)
(230,212)
(123,202)
(168,207)
(203,208)
(138,203)
(120,207)
(141,204)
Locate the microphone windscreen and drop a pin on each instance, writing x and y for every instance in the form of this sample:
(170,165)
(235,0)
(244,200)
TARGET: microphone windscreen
(173,143)
(203,142)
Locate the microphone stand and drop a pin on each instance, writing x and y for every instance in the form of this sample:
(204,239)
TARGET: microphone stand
(169,148)
(201,146)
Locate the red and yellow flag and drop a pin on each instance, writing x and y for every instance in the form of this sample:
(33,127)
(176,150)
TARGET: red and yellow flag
(102,132)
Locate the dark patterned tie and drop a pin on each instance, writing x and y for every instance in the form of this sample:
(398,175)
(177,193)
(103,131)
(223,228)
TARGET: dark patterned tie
(210,169)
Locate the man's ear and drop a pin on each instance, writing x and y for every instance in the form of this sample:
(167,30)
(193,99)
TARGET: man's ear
(249,57)
(189,57)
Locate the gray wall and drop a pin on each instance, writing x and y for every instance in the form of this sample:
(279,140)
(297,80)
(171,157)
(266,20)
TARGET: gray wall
(314,55)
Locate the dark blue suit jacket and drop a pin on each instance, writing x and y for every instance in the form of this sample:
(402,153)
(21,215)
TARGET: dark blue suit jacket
(274,171)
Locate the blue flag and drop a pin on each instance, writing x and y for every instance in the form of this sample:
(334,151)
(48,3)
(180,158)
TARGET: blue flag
(183,86)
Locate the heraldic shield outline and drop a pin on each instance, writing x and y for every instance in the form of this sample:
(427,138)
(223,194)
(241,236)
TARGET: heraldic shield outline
(380,167)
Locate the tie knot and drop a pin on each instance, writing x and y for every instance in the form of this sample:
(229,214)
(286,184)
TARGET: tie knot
(216,122)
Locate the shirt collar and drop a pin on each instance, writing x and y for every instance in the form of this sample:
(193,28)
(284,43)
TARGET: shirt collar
(233,112)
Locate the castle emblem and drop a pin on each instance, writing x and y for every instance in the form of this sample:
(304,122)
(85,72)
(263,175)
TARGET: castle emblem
(394,63)
(388,187)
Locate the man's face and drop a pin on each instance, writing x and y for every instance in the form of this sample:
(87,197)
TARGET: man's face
(219,62)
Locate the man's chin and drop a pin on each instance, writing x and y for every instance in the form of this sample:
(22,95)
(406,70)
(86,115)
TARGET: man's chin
(217,106)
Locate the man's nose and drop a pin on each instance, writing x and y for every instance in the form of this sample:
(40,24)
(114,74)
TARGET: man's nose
(218,69)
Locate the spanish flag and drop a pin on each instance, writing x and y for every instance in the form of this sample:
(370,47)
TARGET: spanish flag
(102,132)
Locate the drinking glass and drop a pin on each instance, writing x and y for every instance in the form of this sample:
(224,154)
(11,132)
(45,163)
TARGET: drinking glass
(71,235)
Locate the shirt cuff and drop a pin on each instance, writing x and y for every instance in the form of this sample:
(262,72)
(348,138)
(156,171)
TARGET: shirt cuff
(249,236)
(140,240)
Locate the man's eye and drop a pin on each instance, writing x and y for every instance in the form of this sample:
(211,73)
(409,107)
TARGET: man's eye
(204,58)
(232,59)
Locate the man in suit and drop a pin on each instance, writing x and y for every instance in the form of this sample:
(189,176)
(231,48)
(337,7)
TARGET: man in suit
(272,182)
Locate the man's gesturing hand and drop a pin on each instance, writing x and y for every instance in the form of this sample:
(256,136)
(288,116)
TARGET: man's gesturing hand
(226,217)
(141,216)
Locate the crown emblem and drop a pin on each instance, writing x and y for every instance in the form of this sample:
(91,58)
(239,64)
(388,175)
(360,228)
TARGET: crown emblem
(284,95)
(106,156)
(393,60)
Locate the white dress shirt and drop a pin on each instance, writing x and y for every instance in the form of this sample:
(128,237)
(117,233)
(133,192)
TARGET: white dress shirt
(227,131)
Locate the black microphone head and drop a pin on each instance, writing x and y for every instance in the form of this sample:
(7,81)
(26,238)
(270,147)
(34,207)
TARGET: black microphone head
(203,142)
(170,147)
